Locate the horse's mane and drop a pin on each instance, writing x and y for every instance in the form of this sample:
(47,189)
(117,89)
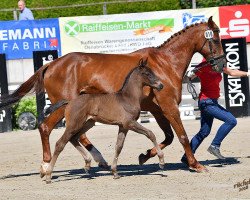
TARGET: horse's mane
(127,78)
(179,33)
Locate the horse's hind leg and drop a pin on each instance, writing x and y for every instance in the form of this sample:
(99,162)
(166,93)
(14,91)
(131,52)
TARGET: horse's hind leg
(118,147)
(45,129)
(135,126)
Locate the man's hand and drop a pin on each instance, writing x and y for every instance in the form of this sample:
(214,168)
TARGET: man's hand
(190,73)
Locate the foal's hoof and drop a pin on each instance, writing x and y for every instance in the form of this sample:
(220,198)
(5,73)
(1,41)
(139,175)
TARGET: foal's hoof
(161,165)
(117,177)
(104,166)
(86,171)
(142,159)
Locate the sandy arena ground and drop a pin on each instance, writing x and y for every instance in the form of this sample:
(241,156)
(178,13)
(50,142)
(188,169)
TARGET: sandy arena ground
(21,154)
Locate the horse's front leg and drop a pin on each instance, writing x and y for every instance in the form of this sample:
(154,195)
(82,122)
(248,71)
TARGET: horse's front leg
(171,111)
(164,124)
(118,148)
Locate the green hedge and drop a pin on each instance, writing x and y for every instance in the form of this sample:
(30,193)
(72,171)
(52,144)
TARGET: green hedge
(129,7)
(27,104)
(185,4)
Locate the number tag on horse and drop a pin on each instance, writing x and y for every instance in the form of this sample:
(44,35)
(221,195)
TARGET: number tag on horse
(209,34)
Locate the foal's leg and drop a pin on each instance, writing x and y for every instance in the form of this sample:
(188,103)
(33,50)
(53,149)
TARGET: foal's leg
(83,152)
(164,125)
(70,133)
(118,148)
(45,129)
(135,126)
(93,151)
(60,144)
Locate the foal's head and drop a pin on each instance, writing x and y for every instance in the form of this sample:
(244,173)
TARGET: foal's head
(148,76)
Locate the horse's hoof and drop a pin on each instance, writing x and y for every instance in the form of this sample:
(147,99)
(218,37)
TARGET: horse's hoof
(48,181)
(104,166)
(142,159)
(43,168)
(202,170)
(199,168)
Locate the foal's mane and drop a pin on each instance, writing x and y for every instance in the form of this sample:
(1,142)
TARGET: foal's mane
(127,78)
(179,33)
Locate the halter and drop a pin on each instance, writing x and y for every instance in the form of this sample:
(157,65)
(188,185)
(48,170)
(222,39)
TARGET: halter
(215,61)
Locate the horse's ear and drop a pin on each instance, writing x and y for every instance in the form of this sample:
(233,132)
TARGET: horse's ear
(210,22)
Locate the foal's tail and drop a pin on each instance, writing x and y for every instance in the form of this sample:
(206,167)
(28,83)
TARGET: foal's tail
(33,85)
(55,106)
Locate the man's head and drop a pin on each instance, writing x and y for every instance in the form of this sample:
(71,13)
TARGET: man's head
(21,5)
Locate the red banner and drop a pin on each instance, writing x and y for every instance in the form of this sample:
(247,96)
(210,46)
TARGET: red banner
(235,21)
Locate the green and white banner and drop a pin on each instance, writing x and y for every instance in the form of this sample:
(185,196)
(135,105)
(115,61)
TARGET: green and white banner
(124,33)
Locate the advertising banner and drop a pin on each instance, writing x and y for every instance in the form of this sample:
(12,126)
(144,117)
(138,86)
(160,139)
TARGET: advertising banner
(234,21)
(18,39)
(5,114)
(236,89)
(124,33)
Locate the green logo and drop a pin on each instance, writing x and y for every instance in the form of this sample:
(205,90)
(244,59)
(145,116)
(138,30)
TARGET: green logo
(72,28)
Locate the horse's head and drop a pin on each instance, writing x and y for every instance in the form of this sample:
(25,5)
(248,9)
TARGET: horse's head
(210,46)
(148,76)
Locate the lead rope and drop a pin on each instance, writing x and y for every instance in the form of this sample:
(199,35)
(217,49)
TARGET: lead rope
(191,89)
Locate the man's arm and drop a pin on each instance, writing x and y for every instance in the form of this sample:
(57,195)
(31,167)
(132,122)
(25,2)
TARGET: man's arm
(235,72)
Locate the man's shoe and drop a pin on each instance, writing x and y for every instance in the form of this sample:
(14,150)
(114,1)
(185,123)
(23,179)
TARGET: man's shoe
(215,151)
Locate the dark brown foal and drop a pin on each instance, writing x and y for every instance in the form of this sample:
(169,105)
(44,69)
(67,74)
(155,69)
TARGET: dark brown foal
(121,108)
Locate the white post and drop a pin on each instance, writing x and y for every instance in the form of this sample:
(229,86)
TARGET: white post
(15,14)
(194,4)
(104,8)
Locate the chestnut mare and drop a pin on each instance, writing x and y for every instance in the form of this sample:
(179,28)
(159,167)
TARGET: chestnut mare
(121,108)
(75,73)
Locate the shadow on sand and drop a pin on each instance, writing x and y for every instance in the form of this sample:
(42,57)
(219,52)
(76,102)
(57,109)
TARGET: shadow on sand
(125,170)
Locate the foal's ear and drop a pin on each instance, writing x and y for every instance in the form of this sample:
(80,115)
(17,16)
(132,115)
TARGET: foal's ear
(140,62)
(145,62)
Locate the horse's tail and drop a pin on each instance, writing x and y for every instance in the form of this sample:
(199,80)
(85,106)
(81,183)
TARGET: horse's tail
(33,84)
(55,106)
